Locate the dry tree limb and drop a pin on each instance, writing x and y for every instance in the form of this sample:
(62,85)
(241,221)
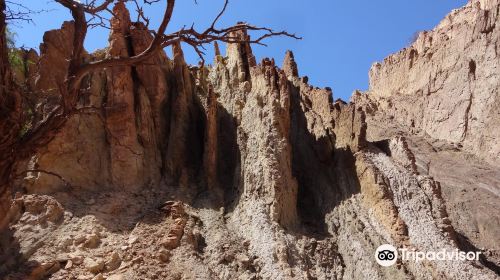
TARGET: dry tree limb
(91,13)
(190,36)
(15,11)
(54,174)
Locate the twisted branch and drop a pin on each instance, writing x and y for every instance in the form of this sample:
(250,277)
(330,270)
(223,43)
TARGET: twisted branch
(78,69)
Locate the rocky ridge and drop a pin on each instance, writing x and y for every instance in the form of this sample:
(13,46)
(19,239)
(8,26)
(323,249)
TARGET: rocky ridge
(242,170)
(442,94)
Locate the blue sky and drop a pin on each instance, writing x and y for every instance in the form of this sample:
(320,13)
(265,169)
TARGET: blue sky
(341,39)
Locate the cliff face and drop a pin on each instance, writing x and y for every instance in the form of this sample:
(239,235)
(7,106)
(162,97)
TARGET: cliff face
(239,170)
(447,82)
(442,94)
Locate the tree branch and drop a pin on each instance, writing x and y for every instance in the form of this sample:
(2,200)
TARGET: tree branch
(24,172)
(46,130)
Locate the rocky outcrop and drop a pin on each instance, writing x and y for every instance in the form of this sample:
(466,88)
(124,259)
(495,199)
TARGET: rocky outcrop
(441,95)
(134,106)
(445,83)
(239,170)
(181,144)
(75,157)
(240,59)
(289,65)
(117,139)
(255,104)
(173,238)
(55,48)
(210,149)
(126,153)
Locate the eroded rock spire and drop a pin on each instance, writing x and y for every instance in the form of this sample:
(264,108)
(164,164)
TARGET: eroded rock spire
(240,56)
(289,65)
(216,48)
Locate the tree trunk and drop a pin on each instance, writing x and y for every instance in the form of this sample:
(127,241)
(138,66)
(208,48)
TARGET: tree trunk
(10,121)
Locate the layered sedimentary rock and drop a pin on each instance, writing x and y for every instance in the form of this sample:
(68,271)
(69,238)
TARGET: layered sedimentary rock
(237,170)
(70,153)
(442,94)
(117,139)
(126,153)
(447,82)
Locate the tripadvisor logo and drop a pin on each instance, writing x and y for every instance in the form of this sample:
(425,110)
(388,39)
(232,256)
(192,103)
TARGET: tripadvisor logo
(387,255)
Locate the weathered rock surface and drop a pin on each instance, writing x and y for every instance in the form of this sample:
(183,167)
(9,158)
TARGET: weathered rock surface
(447,82)
(242,170)
(442,94)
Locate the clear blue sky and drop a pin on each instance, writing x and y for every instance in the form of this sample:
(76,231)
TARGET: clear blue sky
(341,38)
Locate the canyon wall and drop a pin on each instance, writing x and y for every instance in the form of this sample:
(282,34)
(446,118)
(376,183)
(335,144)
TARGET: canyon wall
(447,82)
(242,170)
(441,94)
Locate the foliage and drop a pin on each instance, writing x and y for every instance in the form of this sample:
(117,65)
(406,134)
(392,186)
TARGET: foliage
(15,59)
(11,42)
(17,63)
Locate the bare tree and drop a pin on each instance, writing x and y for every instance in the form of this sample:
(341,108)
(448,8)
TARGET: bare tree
(17,12)
(10,118)
(87,14)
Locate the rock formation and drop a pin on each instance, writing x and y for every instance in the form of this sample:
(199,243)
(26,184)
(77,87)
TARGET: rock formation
(242,170)
(447,76)
(442,94)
